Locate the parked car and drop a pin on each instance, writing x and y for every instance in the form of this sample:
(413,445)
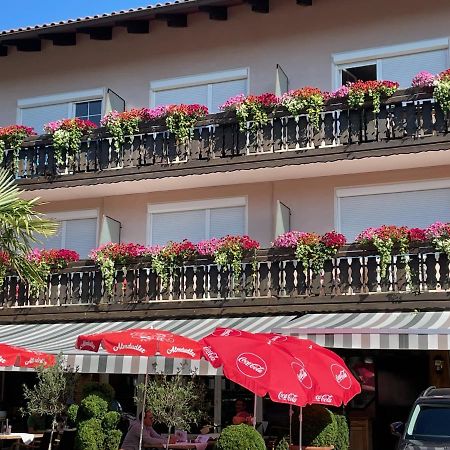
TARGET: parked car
(428,425)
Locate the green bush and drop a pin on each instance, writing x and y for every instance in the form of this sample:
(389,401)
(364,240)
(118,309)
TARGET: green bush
(72,413)
(342,441)
(89,435)
(103,390)
(110,420)
(240,437)
(319,426)
(93,407)
(112,440)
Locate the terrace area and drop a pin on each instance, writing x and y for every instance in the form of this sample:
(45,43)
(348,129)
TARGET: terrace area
(351,282)
(409,122)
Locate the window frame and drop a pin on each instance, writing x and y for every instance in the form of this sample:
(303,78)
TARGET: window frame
(391,188)
(377,54)
(195,205)
(64,216)
(71,98)
(199,80)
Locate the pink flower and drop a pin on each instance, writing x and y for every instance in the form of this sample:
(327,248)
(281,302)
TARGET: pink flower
(438,230)
(423,79)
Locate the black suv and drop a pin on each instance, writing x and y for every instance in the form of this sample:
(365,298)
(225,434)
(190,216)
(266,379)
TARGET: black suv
(428,426)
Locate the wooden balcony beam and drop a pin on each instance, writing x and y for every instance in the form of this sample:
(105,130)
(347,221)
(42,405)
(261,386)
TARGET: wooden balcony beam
(215,12)
(3,50)
(304,2)
(135,26)
(260,6)
(97,33)
(61,39)
(25,45)
(173,20)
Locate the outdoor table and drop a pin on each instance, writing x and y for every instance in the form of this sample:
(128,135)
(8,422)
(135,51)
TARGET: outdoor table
(20,436)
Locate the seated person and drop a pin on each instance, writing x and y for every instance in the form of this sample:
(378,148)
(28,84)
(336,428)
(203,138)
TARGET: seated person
(242,415)
(149,435)
(36,423)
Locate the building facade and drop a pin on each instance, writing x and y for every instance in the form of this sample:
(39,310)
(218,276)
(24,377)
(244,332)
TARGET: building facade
(358,170)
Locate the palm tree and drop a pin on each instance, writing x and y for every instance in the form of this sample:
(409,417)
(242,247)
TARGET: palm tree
(21,226)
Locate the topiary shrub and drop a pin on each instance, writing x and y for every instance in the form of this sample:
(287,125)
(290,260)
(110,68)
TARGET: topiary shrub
(72,413)
(110,420)
(89,435)
(319,427)
(112,440)
(240,437)
(342,441)
(93,407)
(103,390)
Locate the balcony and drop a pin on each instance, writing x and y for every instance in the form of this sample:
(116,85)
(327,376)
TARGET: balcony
(350,282)
(409,122)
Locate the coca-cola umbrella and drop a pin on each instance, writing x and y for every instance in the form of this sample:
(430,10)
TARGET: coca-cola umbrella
(10,355)
(290,370)
(141,342)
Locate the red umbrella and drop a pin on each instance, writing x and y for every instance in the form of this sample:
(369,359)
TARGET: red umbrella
(141,342)
(22,357)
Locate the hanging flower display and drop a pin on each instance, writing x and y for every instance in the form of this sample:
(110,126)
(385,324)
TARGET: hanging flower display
(308,99)
(109,256)
(123,124)
(67,134)
(384,239)
(4,266)
(441,91)
(252,108)
(165,260)
(12,137)
(311,249)
(229,251)
(423,79)
(439,234)
(359,92)
(180,120)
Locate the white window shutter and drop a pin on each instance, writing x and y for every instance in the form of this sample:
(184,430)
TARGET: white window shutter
(178,225)
(38,116)
(403,68)
(81,236)
(186,95)
(226,221)
(54,241)
(221,92)
(412,208)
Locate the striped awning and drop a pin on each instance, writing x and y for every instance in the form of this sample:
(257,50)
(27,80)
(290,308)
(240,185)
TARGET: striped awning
(61,337)
(387,330)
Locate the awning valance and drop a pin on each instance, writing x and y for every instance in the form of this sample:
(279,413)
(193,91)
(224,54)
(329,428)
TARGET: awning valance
(387,330)
(61,337)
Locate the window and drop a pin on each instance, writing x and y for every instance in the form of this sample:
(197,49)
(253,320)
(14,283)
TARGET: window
(211,90)
(89,111)
(77,231)
(196,220)
(416,204)
(429,421)
(396,63)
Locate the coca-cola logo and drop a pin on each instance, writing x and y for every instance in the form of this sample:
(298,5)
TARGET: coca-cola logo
(277,339)
(287,397)
(160,337)
(224,332)
(251,365)
(324,398)
(211,355)
(87,344)
(341,376)
(302,374)
(2,360)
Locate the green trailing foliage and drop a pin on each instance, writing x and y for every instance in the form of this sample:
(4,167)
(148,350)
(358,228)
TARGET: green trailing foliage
(240,437)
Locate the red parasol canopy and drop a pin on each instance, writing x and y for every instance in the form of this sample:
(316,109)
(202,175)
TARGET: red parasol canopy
(22,357)
(141,342)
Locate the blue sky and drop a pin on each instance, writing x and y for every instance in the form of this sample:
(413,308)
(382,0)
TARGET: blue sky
(20,13)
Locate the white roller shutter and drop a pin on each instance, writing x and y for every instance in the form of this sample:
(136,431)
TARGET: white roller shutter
(418,208)
(403,68)
(81,236)
(176,226)
(224,221)
(38,116)
(187,95)
(54,241)
(221,92)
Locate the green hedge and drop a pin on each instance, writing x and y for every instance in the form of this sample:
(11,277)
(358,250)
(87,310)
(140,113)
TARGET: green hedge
(240,437)
(319,426)
(342,441)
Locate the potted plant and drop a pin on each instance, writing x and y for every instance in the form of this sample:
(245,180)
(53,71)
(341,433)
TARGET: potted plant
(342,441)
(306,100)
(12,137)
(240,437)
(439,234)
(319,428)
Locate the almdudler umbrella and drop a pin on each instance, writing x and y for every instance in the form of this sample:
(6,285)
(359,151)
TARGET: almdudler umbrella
(10,355)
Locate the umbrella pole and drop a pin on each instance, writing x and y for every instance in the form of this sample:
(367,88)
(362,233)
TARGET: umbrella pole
(254,411)
(300,419)
(290,424)
(143,409)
